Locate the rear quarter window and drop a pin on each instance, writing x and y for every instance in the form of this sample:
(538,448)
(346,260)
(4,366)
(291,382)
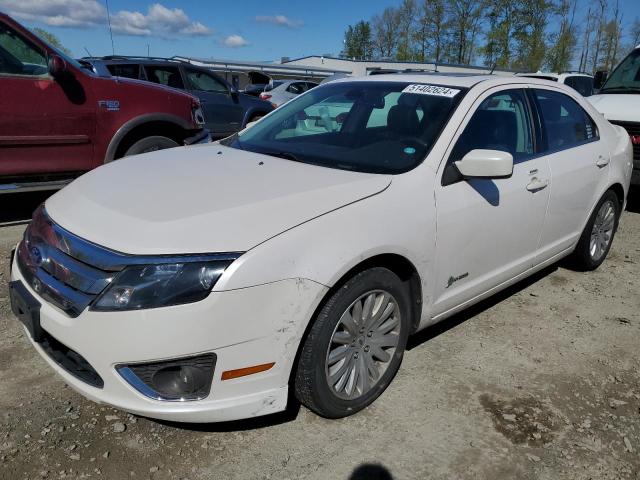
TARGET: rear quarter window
(127,71)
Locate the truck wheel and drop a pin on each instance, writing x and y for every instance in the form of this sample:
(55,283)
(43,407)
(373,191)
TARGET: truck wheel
(150,144)
(355,345)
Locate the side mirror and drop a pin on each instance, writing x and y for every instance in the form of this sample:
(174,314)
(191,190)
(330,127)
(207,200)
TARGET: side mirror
(56,66)
(486,164)
(233,91)
(599,78)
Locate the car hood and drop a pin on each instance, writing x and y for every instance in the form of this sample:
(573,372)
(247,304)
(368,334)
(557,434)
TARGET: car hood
(617,106)
(201,199)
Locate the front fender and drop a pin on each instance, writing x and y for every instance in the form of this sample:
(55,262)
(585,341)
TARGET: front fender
(324,249)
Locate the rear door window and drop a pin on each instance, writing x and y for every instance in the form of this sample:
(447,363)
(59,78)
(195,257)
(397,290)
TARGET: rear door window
(169,76)
(127,70)
(205,82)
(566,124)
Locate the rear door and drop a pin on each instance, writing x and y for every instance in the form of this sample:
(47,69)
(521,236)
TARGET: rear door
(488,230)
(46,125)
(579,164)
(223,112)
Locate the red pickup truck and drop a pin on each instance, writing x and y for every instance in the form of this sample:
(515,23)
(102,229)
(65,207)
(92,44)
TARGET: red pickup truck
(58,119)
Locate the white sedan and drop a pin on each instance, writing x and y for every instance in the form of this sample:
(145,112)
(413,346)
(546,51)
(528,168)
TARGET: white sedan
(209,282)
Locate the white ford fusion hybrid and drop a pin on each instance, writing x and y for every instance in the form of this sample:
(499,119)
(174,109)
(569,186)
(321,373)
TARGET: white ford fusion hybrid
(210,282)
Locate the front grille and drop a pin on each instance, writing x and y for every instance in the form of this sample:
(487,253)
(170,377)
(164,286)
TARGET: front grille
(632,128)
(71,361)
(48,261)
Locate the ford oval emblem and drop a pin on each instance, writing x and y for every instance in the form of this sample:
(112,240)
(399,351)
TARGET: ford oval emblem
(36,256)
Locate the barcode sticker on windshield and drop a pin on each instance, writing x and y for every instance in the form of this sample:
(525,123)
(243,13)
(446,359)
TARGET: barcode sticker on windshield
(423,89)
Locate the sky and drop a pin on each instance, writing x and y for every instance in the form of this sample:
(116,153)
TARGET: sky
(239,30)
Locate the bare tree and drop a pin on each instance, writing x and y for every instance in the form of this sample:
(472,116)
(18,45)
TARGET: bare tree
(635,32)
(466,16)
(564,41)
(433,29)
(602,4)
(385,32)
(590,21)
(406,19)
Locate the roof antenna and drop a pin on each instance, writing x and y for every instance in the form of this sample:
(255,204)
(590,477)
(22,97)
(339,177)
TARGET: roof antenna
(493,68)
(87,50)
(113,48)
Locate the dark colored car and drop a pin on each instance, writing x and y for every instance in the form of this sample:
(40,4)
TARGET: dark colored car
(226,111)
(59,119)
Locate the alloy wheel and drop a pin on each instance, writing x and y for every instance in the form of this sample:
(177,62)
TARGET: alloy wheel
(602,231)
(363,344)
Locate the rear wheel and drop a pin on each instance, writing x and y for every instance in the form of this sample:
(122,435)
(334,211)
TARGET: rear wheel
(597,237)
(355,345)
(150,144)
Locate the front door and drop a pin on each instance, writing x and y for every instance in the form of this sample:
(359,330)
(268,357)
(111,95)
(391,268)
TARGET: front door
(222,110)
(488,230)
(46,125)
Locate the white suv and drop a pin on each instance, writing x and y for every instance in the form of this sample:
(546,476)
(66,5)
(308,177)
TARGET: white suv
(581,82)
(206,283)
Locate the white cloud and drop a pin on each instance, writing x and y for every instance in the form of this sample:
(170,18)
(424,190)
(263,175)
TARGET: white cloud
(159,20)
(279,20)
(235,41)
(58,13)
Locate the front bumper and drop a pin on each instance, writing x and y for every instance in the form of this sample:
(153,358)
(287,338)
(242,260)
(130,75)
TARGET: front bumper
(244,327)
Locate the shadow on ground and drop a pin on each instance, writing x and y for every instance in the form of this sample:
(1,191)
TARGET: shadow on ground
(18,207)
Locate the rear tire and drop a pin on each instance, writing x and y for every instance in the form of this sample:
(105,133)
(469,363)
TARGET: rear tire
(150,144)
(355,345)
(597,237)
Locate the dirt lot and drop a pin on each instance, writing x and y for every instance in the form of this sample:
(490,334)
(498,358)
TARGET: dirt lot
(541,382)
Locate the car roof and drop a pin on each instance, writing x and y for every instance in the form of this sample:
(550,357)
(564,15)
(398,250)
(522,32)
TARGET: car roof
(455,80)
(554,74)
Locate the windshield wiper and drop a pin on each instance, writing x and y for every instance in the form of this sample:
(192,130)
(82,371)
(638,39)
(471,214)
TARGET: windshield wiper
(285,155)
(620,89)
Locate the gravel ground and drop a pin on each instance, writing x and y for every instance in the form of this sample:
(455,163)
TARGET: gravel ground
(540,382)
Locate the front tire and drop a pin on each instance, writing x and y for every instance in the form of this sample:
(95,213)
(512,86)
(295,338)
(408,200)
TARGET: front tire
(150,144)
(355,345)
(597,237)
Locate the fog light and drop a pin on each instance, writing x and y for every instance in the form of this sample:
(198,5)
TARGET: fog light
(179,379)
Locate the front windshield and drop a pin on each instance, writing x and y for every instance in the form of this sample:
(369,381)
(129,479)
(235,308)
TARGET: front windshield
(626,76)
(376,127)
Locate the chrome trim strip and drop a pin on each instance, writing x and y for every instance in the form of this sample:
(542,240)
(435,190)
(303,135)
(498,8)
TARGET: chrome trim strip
(133,380)
(74,273)
(71,301)
(113,261)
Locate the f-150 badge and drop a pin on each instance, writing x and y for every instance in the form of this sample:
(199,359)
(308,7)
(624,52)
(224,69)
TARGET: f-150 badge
(109,105)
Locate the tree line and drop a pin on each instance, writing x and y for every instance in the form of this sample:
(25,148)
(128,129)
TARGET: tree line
(523,35)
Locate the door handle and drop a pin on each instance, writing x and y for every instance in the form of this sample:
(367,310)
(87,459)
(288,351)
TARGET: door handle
(536,184)
(602,161)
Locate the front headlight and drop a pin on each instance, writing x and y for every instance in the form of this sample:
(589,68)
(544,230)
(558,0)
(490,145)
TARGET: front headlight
(160,285)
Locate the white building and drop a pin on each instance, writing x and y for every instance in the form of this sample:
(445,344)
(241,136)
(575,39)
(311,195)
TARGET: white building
(365,67)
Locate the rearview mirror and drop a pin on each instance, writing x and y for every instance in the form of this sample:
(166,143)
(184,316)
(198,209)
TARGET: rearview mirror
(599,78)
(56,65)
(486,164)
